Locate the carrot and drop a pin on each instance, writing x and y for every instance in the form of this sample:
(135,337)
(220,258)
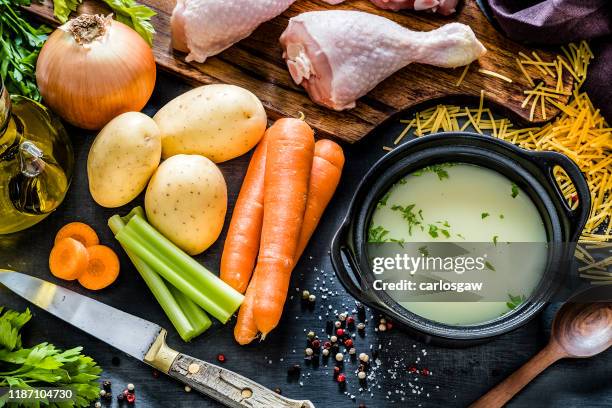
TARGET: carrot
(245,330)
(68,259)
(102,268)
(242,242)
(327,167)
(79,231)
(288,162)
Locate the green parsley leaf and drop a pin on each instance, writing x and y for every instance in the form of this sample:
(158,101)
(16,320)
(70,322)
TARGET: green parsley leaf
(409,215)
(484,215)
(383,200)
(495,239)
(515,190)
(423,251)
(489,266)
(515,301)
(376,235)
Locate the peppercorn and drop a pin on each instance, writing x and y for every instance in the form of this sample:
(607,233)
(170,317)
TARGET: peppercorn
(327,344)
(130,387)
(389,325)
(155,374)
(325,352)
(352,351)
(383,320)
(339,357)
(413,370)
(308,351)
(338,324)
(312,298)
(221,358)
(278,390)
(316,343)
(350,321)
(333,339)
(187,388)
(106,385)
(311,335)
(102,393)
(382,327)
(305,294)
(341,378)
(98,404)
(294,370)
(131,398)
(342,316)
(348,343)
(340,332)
(361,326)
(336,371)
(425,371)
(364,357)
(361,375)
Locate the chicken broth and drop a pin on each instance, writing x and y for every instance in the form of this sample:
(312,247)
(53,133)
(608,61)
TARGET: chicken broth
(471,206)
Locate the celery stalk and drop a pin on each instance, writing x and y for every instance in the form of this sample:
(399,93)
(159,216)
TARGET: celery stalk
(177,315)
(197,317)
(215,288)
(174,274)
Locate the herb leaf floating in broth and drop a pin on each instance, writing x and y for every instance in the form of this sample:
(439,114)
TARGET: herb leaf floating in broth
(377,234)
(515,301)
(489,266)
(436,168)
(409,215)
(484,215)
(423,251)
(495,239)
(515,190)
(383,200)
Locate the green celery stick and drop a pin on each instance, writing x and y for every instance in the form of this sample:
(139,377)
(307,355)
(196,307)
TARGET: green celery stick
(197,317)
(174,274)
(209,282)
(168,302)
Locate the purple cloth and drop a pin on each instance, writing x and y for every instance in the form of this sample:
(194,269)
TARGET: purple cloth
(555,22)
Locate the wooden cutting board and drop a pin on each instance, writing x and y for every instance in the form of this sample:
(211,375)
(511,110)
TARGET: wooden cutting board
(256,64)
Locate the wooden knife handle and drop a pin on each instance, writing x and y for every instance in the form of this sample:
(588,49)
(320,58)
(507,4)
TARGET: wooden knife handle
(227,387)
(504,391)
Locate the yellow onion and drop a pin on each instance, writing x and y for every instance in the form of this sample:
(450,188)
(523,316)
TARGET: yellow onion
(93,69)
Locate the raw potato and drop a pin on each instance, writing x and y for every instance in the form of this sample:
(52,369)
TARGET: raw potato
(122,159)
(220,122)
(186,201)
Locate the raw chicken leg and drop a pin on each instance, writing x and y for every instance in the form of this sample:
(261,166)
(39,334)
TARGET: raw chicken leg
(338,56)
(444,7)
(204,28)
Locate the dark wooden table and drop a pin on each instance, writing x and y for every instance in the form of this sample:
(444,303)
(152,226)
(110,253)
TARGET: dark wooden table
(458,376)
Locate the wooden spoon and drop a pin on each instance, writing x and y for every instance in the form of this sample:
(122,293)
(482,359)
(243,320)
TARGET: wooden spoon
(579,330)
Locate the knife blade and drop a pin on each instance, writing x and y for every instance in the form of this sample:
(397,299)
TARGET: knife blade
(146,342)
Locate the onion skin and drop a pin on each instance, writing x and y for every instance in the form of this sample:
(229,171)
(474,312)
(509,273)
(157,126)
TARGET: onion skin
(88,85)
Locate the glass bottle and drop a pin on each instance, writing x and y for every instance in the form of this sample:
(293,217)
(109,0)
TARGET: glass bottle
(36,162)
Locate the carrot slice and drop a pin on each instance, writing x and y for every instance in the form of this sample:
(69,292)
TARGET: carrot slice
(79,231)
(68,259)
(242,242)
(288,164)
(102,269)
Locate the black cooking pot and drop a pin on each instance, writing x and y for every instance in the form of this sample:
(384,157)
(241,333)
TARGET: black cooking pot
(531,171)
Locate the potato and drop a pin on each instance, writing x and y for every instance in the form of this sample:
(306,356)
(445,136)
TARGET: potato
(186,201)
(217,121)
(122,159)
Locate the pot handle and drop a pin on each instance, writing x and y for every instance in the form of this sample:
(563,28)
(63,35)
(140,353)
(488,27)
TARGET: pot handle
(351,281)
(578,216)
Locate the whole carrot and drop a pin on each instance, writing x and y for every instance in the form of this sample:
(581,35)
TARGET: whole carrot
(289,157)
(242,242)
(327,167)
(245,330)
(324,178)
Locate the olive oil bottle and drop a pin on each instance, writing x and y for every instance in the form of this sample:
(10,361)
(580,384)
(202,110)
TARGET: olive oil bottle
(36,162)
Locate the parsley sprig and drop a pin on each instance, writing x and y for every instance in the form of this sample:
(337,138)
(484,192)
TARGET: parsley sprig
(20,44)
(43,365)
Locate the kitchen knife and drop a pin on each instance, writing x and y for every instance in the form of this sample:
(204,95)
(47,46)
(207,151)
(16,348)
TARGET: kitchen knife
(146,342)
